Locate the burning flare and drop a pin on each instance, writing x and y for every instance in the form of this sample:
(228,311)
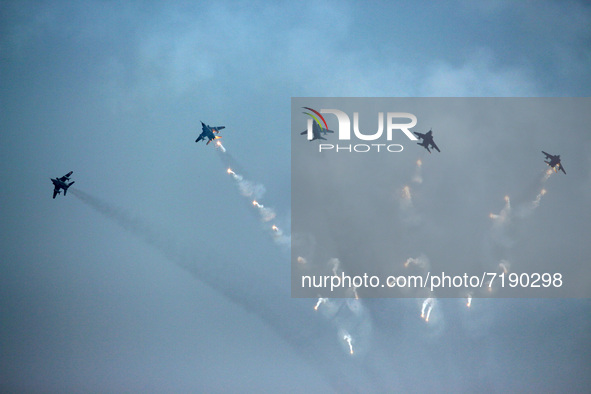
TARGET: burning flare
(236,177)
(536,202)
(320,301)
(428,307)
(349,340)
(219,145)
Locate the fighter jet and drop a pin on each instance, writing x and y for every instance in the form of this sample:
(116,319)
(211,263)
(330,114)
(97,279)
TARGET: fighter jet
(317,131)
(554,161)
(208,132)
(60,183)
(427,140)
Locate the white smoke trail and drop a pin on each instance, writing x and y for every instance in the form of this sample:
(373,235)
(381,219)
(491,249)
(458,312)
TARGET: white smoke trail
(320,302)
(406,197)
(421,261)
(504,266)
(335,263)
(418,176)
(355,292)
(267,214)
(427,308)
(251,189)
(236,177)
(347,338)
(528,209)
(219,146)
(407,209)
(547,174)
(505,214)
(256,190)
(281,238)
(536,202)
(246,187)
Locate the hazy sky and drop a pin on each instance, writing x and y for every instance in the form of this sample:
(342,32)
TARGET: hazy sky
(159,275)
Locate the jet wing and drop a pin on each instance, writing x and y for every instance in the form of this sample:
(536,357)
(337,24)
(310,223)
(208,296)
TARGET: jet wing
(435,146)
(421,136)
(66,177)
(55,192)
(548,155)
(217,129)
(199,138)
(561,168)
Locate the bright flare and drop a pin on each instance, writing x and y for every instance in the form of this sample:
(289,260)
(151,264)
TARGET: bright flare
(427,308)
(320,301)
(536,202)
(220,146)
(349,340)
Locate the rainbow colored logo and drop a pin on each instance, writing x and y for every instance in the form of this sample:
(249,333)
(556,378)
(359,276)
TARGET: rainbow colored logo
(315,118)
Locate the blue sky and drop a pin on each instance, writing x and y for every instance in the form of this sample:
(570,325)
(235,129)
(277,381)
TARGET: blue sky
(116,92)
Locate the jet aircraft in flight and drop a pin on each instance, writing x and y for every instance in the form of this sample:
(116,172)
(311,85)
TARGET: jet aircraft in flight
(208,133)
(554,161)
(317,131)
(60,183)
(427,140)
